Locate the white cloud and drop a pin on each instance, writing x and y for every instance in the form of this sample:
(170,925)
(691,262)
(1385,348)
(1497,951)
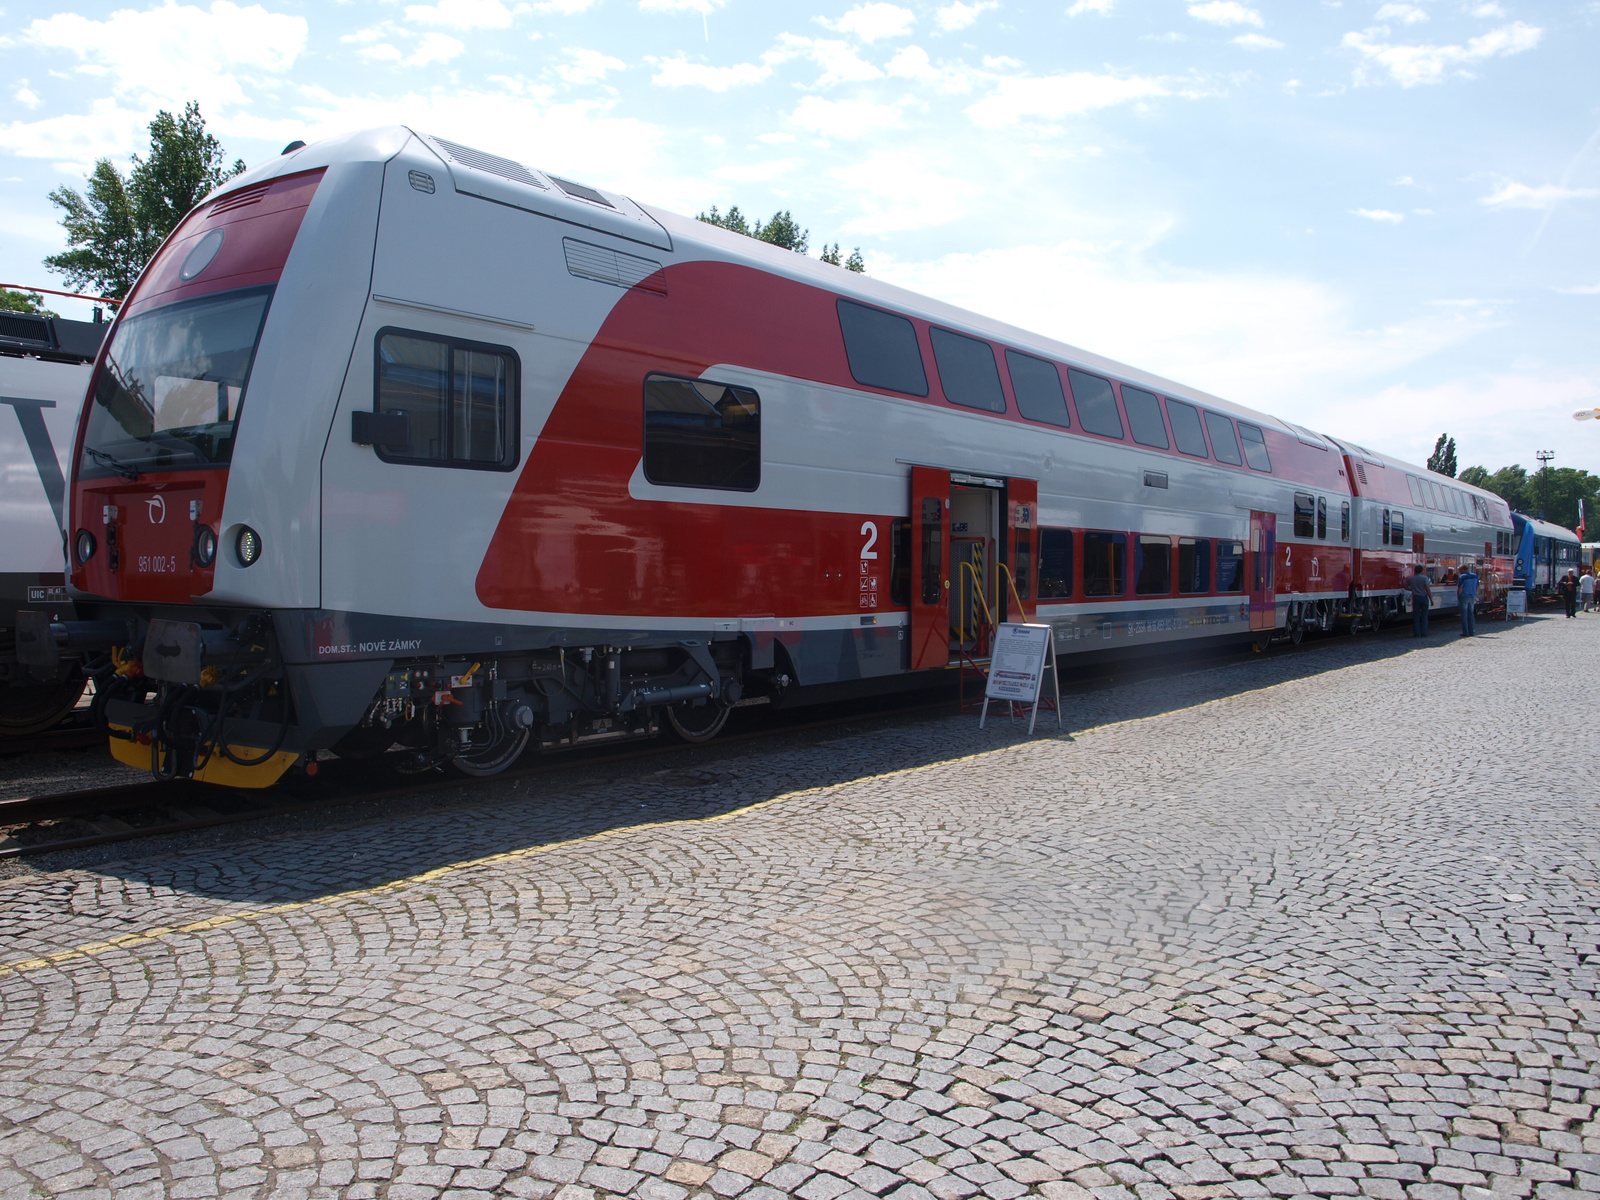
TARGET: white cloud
(434,47)
(1490,9)
(952,17)
(1379,214)
(1412,65)
(173,53)
(762,172)
(1257,41)
(76,140)
(912,62)
(703,7)
(1548,195)
(844,118)
(1406,14)
(1587,289)
(776,137)
(1102,7)
(26,96)
(563,8)
(898,190)
(461,14)
(839,61)
(1052,97)
(381,52)
(1422,212)
(1225,12)
(869,22)
(680,72)
(1405,181)
(588,66)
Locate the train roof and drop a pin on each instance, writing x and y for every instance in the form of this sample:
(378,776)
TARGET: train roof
(1548,529)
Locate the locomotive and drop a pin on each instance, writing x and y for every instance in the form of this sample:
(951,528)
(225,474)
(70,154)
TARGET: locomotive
(398,443)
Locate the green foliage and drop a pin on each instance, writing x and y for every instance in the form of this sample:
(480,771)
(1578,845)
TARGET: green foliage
(1443,458)
(120,222)
(782,231)
(23,302)
(1552,494)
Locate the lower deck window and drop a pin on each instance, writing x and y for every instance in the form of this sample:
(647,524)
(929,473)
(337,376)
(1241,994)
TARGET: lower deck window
(701,434)
(1397,529)
(1230,566)
(1055,564)
(1105,563)
(1153,566)
(1194,565)
(460,400)
(1305,515)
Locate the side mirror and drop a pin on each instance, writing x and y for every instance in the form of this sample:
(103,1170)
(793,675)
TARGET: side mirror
(390,430)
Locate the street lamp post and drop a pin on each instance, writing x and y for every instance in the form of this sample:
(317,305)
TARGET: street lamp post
(1544,457)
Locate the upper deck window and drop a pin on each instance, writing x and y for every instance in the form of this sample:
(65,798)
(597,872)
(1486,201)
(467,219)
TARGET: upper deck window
(882,349)
(1223,443)
(1186,429)
(1255,447)
(1037,386)
(701,434)
(1417,497)
(1097,407)
(1305,515)
(967,371)
(1144,417)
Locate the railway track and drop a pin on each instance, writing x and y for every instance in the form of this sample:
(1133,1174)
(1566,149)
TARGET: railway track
(98,816)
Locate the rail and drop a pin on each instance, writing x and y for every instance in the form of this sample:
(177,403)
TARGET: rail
(977,589)
(1011,582)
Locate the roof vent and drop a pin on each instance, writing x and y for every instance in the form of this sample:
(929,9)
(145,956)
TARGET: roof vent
(491,164)
(581,191)
(25,328)
(241,199)
(1361,472)
(604,265)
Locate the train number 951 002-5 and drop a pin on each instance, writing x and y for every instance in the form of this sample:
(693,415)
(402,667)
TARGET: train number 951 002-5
(157,564)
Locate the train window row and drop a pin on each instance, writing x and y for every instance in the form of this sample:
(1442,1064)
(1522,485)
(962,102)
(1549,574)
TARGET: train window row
(1428,493)
(883,352)
(1311,517)
(1094,563)
(460,400)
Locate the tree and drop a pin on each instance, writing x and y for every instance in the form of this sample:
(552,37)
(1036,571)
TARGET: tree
(782,231)
(24,302)
(1443,458)
(114,229)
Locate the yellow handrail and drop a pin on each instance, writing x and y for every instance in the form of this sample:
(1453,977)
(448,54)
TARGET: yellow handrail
(1011,582)
(982,599)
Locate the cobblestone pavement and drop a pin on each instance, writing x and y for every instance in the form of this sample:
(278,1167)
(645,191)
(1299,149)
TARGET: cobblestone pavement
(1309,925)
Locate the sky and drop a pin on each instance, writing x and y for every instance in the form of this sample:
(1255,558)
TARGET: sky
(1375,218)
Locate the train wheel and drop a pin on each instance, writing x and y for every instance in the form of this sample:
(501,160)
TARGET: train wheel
(697,724)
(33,709)
(1297,633)
(492,759)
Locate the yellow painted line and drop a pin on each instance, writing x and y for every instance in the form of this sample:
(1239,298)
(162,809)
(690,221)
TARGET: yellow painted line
(221,920)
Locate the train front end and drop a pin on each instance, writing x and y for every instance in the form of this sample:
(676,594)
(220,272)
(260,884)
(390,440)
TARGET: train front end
(177,609)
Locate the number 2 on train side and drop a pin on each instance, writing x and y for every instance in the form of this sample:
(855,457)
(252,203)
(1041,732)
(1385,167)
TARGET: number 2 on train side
(869,530)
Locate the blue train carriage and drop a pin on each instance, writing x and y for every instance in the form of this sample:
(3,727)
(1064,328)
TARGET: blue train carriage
(1545,553)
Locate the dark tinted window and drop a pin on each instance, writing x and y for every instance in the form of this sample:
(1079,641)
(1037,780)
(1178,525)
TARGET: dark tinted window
(1097,407)
(1223,443)
(1397,529)
(932,549)
(1105,561)
(1344,521)
(1144,417)
(1037,385)
(1385,538)
(900,562)
(1230,566)
(1305,515)
(1255,447)
(882,349)
(1186,428)
(1322,517)
(460,400)
(701,434)
(967,371)
(1152,571)
(1194,565)
(1055,564)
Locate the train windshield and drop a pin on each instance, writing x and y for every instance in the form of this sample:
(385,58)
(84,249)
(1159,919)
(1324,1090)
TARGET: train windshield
(168,396)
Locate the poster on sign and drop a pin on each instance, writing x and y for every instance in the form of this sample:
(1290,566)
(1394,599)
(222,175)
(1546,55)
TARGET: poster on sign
(1022,655)
(1516,604)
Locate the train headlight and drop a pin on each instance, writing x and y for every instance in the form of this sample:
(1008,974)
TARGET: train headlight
(247,546)
(83,546)
(205,546)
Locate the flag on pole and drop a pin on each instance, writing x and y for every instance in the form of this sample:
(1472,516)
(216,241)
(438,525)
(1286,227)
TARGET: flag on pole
(1580,518)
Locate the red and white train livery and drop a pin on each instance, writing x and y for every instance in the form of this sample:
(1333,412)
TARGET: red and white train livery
(399,441)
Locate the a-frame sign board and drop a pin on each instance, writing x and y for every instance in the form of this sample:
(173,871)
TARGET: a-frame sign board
(1022,654)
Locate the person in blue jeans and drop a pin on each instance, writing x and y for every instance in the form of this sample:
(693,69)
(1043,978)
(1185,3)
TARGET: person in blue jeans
(1467,598)
(1421,597)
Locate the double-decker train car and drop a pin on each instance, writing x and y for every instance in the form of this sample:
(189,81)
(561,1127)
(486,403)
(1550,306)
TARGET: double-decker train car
(44,373)
(1545,552)
(399,442)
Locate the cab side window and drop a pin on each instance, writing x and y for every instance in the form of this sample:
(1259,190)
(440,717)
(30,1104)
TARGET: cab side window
(459,400)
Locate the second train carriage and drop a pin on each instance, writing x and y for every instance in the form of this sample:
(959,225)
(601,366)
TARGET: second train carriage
(1544,553)
(397,441)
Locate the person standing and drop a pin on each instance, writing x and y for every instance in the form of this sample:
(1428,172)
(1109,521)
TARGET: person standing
(1467,599)
(1421,597)
(1586,590)
(1568,587)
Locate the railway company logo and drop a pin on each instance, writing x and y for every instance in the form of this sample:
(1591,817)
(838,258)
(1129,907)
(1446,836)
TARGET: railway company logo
(158,509)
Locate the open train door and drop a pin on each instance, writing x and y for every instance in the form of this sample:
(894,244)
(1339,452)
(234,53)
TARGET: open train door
(1263,553)
(930,556)
(1022,514)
